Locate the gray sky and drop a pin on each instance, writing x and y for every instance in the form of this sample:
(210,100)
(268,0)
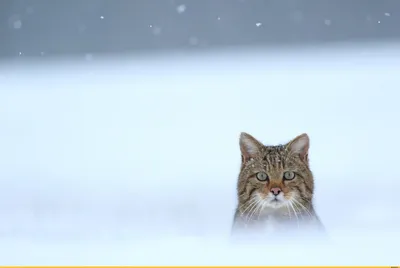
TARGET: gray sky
(44,28)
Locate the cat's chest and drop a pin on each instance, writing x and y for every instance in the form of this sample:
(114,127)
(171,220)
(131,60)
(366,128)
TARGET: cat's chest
(276,225)
(279,227)
(272,224)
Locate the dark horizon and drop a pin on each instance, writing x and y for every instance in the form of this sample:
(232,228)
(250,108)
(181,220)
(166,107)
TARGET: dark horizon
(44,28)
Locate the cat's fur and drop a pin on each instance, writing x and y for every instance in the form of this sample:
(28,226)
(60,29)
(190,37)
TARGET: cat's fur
(258,209)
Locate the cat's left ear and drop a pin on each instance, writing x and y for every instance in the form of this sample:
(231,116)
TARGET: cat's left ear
(249,146)
(300,146)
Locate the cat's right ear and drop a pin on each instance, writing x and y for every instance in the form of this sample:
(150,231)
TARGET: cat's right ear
(249,146)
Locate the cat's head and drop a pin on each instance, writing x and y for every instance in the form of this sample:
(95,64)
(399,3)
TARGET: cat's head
(275,176)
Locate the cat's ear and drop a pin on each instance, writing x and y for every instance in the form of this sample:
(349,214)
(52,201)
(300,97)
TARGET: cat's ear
(300,146)
(249,146)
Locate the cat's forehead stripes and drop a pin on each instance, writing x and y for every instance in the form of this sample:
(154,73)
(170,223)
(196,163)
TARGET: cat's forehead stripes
(274,156)
(277,148)
(274,161)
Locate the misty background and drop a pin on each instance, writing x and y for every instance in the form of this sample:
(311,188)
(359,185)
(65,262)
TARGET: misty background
(120,120)
(87,28)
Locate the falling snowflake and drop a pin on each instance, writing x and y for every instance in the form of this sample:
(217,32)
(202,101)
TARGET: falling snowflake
(379,21)
(180,9)
(327,22)
(258,24)
(387,14)
(219,18)
(102,17)
(20,53)
(15,22)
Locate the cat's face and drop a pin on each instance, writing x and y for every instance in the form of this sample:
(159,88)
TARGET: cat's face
(275,177)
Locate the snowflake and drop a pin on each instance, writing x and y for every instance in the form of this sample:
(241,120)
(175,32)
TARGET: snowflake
(17,24)
(180,9)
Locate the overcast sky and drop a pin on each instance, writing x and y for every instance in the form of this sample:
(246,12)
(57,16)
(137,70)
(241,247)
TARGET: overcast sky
(45,28)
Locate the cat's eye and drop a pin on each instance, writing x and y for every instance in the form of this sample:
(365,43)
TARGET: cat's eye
(262,176)
(289,175)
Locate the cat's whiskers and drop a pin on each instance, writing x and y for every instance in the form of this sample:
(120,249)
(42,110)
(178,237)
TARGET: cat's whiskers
(295,213)
(253,209)
(288,209)
(305,201)
(249,203)
(261,210)
(263,169)
(246,203)
(304,208)
(298,209)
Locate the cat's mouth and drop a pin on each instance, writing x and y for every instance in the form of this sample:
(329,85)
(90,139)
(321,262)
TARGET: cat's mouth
(276,201)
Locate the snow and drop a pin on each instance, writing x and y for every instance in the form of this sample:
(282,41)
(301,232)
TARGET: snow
(15,22)
(327,22)
(135,160)
(180,9)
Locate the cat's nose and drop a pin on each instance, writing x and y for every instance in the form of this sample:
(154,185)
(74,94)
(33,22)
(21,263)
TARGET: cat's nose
(276,190)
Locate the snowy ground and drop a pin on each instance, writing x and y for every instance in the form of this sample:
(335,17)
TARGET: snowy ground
(135,161)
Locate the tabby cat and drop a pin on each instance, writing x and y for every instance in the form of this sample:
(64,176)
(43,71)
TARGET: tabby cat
(275,187)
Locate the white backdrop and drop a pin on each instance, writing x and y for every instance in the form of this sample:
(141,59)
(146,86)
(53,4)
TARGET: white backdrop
(135,160)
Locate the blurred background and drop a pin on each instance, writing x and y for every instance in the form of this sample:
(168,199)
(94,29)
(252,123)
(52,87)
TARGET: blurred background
(88,28)
(120,120)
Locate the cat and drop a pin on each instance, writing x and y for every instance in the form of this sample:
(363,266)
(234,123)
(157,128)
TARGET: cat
(275,188)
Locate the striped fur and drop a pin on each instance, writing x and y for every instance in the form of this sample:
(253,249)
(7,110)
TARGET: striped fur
(255,200)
